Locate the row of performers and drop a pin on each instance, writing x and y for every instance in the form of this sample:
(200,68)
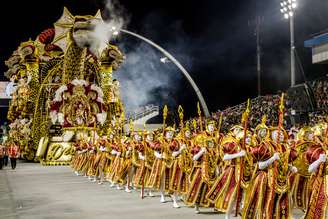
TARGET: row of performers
(260,174)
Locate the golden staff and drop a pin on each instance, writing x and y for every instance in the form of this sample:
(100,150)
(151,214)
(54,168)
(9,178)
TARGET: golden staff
(165,111)
(200,116)
(122,119)
(180,110)
(281,119)
(94,134)
(244,121)
(144,173)
(220,124)
(194,124)
(131,128)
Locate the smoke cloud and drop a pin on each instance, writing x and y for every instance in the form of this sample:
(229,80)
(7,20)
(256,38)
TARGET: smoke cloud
(144,78)
(115,19)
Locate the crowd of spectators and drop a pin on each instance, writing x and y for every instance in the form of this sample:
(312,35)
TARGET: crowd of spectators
(297,100)
(320,92)
(304,104)
(260,106)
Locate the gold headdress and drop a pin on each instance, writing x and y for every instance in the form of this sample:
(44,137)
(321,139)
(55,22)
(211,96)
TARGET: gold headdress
(262,126)
(303,133)
(200,139)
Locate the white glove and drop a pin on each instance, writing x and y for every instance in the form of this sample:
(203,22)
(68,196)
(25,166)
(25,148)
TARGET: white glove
(217,171)
(265,164)
(118,154)
(242,153)
(113,152)
(158,155)
(323,158)
(127,153)
(175,153)
(183,147)
(276,156)
(199,154)
(314,166)
(141,157)
(293,169)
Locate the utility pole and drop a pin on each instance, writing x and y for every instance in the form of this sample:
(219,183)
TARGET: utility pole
(258,53)
(292,52)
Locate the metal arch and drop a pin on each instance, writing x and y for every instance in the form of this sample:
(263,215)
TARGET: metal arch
(177,63)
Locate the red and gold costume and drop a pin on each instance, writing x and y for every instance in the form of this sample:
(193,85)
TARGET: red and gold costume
(162,164)
(113,174)
(182,162)
(138,160)
(316,156)
(124,171)
(256,195)
(278,192)
(301,189)
(203,172)
(83,157)
(223,193)
(103,157)
(13,150)
(76,159)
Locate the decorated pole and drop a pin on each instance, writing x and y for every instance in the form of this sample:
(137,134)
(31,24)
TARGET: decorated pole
(131,136)
(244,120)
(220,125)
(200,117)
(281,119)
(165,111)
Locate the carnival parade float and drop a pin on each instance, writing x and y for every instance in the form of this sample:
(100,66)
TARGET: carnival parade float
(62,89)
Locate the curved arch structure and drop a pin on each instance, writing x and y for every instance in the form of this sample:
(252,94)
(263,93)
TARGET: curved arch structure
(178,64)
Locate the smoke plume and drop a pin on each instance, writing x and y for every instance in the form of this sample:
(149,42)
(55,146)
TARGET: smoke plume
(144,78)
(115,19)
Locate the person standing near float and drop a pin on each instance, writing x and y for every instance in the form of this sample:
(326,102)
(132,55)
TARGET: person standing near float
(5,157)
(13,152)
(2,155)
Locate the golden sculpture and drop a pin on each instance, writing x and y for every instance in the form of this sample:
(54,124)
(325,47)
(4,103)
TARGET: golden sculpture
(63,80)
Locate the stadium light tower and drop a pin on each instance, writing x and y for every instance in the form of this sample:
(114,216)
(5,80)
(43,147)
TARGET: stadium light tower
(288,8)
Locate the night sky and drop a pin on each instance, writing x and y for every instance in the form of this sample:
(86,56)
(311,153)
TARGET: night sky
(213,39)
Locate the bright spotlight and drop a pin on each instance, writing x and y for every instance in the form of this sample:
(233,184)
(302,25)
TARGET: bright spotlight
(286,16)
(290,14)
(294,5)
